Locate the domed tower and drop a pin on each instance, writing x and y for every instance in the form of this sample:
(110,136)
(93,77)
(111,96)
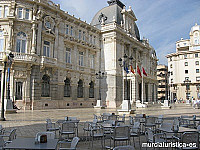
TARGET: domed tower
(120,36)
(195,35)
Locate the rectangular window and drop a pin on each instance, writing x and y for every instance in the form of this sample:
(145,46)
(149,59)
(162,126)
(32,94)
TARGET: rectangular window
(197,70)
(79,35)
(198,78)
(23,46)
(92,61)
(170,58)
(68,55)
(0,12)
(185,56)
(171,80)
(20,13)
(94,40)
(71,32)
(187,87)
(186,63)
(18,90)
(27,14)
(83,35)
(186,71)
(1,45)
(91,39)
(197,62)
(172,73)
(196,55)
(46,49)
(171,66)
(67,29)
(6,11)
(81,58)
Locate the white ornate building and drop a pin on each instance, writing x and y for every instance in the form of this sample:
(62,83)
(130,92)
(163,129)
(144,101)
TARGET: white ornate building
(184,67)
(57,55)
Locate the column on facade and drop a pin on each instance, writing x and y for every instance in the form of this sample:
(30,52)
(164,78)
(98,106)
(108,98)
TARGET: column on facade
(27,87)
(33,38)
(56,38)
(9,48)
(39,37)
(149,93)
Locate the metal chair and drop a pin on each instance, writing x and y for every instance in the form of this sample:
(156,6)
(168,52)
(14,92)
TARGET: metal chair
(121,133)
(88,127)
(73,145)
(150,122)
(67,128)
(188,138)
(159,120)
(154,138)
(9,135)
(122,118)
(96,132)
(135,131)
(50,126)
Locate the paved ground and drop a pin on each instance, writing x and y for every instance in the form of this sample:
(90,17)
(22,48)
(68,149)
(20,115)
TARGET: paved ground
(28,123)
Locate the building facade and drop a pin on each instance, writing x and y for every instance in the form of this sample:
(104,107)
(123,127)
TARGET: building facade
(120,35)
(162,77)
(57,55)
(184,67)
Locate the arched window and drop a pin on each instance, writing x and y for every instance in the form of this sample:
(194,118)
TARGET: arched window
(91,90)
(80,89)
(67,88)
(21,42)
(1,41)
(45,86)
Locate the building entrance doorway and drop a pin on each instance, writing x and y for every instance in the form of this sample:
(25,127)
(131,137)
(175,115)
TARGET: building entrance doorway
(18,93)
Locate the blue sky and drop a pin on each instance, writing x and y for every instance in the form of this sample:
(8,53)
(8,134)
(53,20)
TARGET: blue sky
(163,22)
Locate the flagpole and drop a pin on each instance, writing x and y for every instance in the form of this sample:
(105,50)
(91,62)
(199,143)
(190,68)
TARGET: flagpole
(142,86)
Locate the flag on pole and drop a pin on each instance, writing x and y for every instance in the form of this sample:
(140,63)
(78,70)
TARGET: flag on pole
(139,72)
(144,72)
(132,70)
(126,68)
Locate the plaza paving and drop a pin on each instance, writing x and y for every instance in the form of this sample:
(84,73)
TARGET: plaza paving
(28,122)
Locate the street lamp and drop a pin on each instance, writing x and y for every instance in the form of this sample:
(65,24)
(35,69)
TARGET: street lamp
(187,83)
(169,85)
(10,60)
(127,61)
(5,59)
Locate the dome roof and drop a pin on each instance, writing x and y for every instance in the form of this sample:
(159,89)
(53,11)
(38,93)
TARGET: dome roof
(195,28)
(109,13)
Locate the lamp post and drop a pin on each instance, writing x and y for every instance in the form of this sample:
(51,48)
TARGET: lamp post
(169,85)
(127,61)
(10,60)
(187,83)
(100,75)
(5,59)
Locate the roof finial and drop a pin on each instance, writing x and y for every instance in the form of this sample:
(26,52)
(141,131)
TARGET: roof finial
(195,24)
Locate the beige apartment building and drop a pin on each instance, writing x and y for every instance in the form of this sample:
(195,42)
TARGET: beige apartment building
(162,77)
(56,55)
(184,67)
